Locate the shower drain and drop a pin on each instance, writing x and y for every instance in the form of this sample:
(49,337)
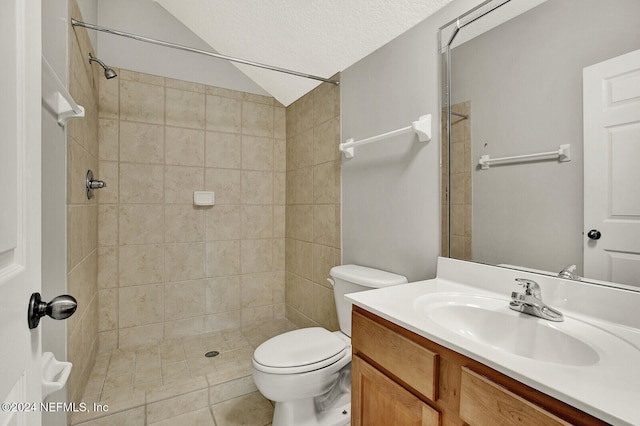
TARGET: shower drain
(212,354)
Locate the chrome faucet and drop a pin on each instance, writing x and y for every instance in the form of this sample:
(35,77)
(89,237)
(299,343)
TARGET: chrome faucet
(568,273)
(531,302)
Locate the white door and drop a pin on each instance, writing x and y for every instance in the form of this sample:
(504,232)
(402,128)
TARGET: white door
(612,169)
(20,262)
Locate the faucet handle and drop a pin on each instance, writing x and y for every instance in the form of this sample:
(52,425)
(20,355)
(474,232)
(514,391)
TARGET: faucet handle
(531,288)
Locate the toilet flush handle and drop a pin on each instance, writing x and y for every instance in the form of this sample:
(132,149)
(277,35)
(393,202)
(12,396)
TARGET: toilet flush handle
(332,282)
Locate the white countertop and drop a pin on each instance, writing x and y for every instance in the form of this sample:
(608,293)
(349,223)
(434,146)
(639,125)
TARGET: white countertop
(609,389)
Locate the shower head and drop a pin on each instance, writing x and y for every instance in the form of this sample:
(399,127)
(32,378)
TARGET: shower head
(108,72)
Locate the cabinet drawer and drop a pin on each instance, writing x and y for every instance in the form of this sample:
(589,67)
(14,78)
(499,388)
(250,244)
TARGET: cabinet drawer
(402,358)
(485,403)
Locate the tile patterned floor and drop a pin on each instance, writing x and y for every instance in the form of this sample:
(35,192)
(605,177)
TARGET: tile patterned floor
(172,382)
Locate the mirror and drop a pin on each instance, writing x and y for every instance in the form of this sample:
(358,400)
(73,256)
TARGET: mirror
(513,78)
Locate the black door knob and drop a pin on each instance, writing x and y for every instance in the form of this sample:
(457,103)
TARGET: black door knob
(594,234)
(61,307)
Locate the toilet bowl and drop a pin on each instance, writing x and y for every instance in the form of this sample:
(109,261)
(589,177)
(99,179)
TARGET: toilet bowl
(307,372)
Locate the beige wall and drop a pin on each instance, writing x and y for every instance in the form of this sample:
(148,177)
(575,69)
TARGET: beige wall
(167,268)
(313,206)
(82,214)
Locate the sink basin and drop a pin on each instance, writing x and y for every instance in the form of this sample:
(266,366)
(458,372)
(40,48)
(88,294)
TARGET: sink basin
(489,321)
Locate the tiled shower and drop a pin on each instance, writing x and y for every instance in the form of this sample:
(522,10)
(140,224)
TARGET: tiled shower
(160,281)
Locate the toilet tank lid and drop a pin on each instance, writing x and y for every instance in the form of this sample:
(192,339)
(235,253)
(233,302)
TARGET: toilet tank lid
(367,277)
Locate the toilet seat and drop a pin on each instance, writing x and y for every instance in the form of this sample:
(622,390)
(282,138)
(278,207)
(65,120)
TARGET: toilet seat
(299,351)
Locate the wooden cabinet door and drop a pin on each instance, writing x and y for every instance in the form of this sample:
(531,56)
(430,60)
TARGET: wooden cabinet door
(376,400)
(485,403)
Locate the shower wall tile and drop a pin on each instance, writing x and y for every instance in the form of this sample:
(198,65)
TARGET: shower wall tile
(223,222)
(108,309)
(160,140)
(326,103)
(222,321)
(109,171)
(225,183)
(279,260)
(139,77)
(224,114)
(82,284)
(140,305)
(300,115)
(300,150)
(184,85)
(256,256)
(280,155)
(326,137)
(141,102)
(223,150)
(257,119)
(324,258)
(107,225)
(78,162)
(180,182)
(300,186)
(185,109)
(222,294)
(137,336)
(108,134)
(299,222)
(141,183)
(185,261)
(184,327)
(256,314)
(257,153)
(219,91)
(107,341)
(326,183)
(279,189)
(140,264)
(299,258)
(279,122)
(184,147)
(82,232)
(223,258)
(257,289)
(260,99)
(109,98)
(257,221)
(107,267)
(183,223)
(140,224)
(312,224)
(279,222)
(141,143)
(185,300)
(256,187)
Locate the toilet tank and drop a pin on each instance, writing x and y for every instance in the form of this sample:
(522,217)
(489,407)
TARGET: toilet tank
(353,278)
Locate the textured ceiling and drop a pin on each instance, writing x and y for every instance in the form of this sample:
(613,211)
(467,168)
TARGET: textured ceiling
(319,37)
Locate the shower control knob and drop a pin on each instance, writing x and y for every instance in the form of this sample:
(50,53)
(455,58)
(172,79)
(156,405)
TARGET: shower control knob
(61,307)
(97,184)
(92,184)
(594,234)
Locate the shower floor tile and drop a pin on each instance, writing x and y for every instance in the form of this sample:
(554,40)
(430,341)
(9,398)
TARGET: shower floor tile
(175,383)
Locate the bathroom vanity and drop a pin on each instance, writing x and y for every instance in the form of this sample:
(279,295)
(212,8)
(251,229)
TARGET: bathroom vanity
(400,377)
(443,352)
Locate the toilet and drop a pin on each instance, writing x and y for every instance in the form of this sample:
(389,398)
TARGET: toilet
(307,372)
